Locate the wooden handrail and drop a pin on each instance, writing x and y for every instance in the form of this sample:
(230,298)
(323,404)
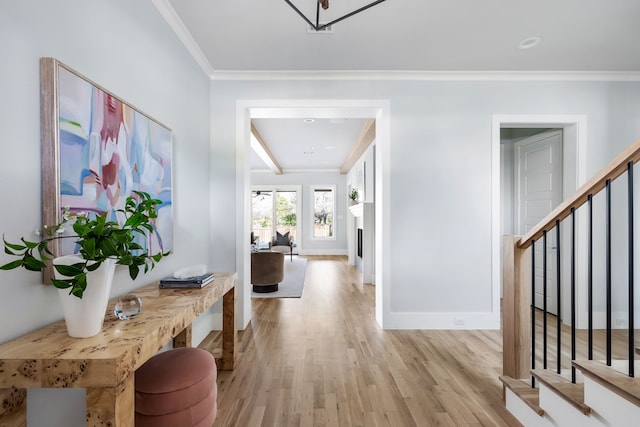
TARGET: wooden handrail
(516,277)
(613,170)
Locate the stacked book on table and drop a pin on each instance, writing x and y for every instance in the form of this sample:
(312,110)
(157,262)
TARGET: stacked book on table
(199,281)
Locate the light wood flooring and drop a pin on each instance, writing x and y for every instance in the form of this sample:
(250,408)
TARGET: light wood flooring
(321,360)
(619,344)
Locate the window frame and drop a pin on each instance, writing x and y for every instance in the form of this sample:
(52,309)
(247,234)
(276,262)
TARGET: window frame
(312,198)
(285,188)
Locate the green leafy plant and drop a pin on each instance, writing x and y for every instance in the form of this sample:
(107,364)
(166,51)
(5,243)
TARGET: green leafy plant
(289,219)
(354,195)
(97,239)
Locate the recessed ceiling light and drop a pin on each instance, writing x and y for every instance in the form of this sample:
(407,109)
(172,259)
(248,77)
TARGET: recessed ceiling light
(529,42)
(309,120)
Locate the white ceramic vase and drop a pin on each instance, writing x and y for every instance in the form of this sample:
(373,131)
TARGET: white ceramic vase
(84,316)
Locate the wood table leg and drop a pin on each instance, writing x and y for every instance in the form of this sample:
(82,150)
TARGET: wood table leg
(229,330)
(113,407)
(13,411)
(184,338)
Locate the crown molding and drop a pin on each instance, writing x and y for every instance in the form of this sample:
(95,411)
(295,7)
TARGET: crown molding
(622,76)
(169,14)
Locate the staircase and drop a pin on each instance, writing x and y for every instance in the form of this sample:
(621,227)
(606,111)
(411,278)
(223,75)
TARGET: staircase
(581,390)
(603,396)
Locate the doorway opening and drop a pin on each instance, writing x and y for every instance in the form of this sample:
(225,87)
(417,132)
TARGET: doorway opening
(369,109)
(531,189)
(512,220)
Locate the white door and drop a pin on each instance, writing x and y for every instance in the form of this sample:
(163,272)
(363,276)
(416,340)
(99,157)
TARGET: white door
(538,161)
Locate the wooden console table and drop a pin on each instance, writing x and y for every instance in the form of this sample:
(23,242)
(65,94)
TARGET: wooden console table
(105,364)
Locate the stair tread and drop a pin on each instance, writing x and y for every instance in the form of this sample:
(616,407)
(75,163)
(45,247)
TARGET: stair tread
(616,381)
(524,391)
(563,387)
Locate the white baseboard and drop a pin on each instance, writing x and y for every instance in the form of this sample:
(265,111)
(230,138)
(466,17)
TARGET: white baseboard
(448,321)
(323,252)
(619,320)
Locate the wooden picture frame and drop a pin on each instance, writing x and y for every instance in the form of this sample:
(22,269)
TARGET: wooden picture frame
(96,150)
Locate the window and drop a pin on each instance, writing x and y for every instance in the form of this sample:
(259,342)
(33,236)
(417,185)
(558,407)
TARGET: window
(286,207)
(262,214)
(275,210)
(323,212)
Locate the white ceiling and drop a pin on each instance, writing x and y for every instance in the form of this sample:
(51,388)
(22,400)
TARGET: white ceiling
(297,145)
(231,37)
(418,35)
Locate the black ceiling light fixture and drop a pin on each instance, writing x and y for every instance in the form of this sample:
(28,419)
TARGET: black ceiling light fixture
(325,5)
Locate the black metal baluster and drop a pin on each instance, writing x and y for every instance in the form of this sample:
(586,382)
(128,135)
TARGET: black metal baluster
(590,279)
(544,299)
(573,293)
(631,338)
(558,299)
(533,310)
(608,270)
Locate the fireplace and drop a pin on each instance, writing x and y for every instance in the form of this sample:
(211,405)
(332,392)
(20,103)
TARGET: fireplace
(361,237)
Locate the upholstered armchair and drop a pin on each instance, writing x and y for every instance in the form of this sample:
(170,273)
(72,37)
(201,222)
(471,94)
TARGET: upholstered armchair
(267,270)
(282,243)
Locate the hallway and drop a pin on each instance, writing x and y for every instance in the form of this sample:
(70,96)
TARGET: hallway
(321,360)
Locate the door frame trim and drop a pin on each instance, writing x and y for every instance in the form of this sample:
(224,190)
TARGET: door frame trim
(535,141)
(574,128)
(378,109)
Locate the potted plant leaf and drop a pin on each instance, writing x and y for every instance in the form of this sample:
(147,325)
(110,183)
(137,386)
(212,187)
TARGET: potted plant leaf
(353,196)
(84,279)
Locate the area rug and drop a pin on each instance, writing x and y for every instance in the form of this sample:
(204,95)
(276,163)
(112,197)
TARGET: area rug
(293,282)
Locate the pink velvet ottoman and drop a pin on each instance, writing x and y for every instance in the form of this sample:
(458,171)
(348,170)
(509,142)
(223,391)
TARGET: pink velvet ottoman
(177,388)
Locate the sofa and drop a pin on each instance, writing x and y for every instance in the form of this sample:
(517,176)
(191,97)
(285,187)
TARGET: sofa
(267,270)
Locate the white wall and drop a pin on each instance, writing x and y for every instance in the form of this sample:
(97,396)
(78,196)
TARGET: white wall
(308,245)
(361,177)
(127,47)
(440,183)
(440,157)
(365,165)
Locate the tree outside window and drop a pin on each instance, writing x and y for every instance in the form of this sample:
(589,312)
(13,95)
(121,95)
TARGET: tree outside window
(274,211)
(286,202)
(262,214)
(323,211)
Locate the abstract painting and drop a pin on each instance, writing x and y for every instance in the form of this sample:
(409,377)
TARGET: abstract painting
(98,149)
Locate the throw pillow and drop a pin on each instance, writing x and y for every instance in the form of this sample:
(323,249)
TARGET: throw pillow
(282,239)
